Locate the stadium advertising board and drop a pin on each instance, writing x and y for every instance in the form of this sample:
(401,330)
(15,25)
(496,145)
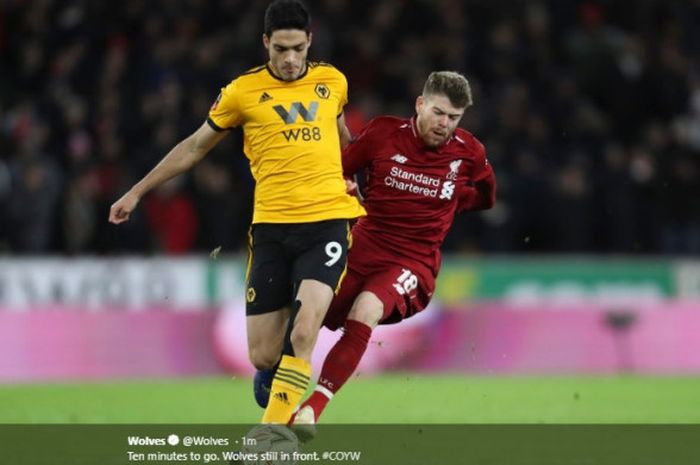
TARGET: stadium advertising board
(199,282)
(567,280)
(127,283)
(687,275)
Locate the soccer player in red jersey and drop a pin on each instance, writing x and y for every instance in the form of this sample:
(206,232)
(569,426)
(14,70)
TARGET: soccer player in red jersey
(420,172)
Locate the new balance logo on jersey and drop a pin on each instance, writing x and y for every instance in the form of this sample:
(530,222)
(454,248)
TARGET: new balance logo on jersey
(282,397)
(297,108)
(398,158)
(448,189)
(265,97)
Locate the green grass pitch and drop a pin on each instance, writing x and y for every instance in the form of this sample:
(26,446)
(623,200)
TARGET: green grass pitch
(396,398)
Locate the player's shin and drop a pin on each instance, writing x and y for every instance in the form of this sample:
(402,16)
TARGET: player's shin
(262,382)
(341,362)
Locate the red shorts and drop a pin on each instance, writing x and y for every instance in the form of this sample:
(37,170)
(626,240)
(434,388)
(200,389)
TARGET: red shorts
(404,286)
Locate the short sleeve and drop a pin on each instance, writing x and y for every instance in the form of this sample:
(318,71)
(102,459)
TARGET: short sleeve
(480,194)
(225,112)
(482,168)
(343,100)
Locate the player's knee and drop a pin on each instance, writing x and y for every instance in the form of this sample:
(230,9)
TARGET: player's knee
(368,316)
(367,309)
(263,359)
(303,335)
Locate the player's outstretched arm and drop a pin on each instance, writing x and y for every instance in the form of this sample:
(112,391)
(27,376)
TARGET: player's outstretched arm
(180,159)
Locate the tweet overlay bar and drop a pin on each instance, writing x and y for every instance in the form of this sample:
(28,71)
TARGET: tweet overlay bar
(352,444)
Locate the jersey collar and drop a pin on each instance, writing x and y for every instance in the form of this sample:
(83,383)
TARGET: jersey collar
(272,73)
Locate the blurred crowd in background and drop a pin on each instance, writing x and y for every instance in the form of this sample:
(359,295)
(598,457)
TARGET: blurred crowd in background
(590,113)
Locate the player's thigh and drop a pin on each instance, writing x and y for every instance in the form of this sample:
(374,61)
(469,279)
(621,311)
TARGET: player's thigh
(315,297)
(402,291)
(268,276)
(322,251)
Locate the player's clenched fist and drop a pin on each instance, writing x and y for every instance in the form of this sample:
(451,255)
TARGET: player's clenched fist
(122,208)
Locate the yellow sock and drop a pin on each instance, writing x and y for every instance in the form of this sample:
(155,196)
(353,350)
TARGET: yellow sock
(288,387)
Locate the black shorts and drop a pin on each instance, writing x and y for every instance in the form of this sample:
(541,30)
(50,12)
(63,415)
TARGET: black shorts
(282,255)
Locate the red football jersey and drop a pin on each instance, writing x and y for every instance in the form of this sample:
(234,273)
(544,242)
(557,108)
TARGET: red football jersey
(412,192)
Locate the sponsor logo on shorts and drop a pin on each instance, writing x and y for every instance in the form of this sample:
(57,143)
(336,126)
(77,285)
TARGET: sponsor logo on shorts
(250,295)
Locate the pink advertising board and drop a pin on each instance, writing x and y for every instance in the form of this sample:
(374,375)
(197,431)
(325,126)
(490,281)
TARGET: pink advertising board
(64,343)
(73,343)
(496,338)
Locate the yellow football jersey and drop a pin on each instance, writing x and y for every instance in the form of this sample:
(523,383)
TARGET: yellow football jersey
(290,136)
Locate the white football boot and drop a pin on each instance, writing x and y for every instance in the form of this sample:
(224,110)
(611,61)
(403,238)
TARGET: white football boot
(304,424)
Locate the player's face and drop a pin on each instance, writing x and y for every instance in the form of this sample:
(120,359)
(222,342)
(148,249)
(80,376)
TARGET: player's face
(436,119)
(288,49)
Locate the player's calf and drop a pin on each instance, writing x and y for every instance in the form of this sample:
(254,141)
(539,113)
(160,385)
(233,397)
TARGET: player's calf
(262,384)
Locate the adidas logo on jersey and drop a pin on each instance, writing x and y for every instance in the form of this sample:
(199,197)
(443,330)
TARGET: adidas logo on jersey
(282,396)
(398,158)
(265,97)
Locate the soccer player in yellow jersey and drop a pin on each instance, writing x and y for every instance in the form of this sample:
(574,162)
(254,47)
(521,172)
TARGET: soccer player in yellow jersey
(291,112)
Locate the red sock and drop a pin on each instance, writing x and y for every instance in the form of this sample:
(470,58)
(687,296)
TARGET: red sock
(340,364)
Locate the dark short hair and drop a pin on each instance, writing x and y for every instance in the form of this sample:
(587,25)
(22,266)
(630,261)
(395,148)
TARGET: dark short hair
(451,84)
(286,14)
